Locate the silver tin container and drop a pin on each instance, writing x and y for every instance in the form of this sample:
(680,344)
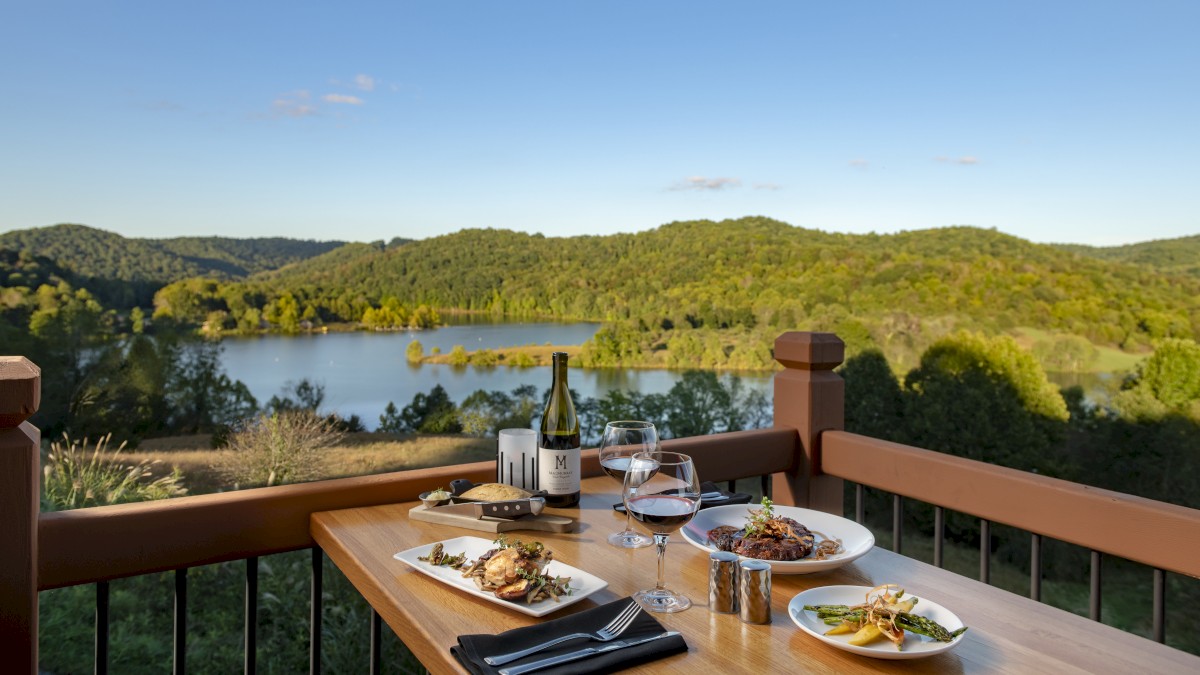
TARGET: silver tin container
(754,591)
(723,582)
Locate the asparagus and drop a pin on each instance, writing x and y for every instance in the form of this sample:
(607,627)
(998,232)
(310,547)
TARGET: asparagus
(833,615)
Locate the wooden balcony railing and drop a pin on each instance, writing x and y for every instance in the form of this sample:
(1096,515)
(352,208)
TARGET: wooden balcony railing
(804,460)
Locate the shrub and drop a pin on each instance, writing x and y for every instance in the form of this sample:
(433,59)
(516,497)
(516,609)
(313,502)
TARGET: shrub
(282,448)
(73,478)
(415,352)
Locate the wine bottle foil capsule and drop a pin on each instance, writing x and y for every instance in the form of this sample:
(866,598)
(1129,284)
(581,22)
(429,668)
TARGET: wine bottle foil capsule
(754,591)
(723,582)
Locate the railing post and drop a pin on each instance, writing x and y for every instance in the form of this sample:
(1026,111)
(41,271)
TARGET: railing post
(810,398)
(20,394)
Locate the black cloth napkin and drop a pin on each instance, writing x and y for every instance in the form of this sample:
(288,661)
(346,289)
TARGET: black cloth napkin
(471,649)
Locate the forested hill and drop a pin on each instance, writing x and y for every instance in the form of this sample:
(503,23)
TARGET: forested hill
(1180,256)
(758,272)
(125,271)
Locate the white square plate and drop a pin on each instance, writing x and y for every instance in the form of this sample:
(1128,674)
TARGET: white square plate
(915,646)
(582,584)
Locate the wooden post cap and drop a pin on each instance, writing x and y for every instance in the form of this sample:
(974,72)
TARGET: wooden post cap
(20,390)
(810,351)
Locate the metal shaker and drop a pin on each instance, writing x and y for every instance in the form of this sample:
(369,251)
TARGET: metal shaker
(754,591)
(723,582)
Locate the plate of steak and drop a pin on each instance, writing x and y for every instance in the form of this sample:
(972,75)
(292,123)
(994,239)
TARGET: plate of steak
(793,540)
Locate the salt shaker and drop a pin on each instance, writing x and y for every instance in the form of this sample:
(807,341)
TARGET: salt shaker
(754,591)
(723,582)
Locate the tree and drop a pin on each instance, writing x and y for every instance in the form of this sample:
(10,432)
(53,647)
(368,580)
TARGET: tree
(390,421)
(697,404)
(415,352)
(201,396)
(874,400)
(1172,374)
(986,399)
(432,413)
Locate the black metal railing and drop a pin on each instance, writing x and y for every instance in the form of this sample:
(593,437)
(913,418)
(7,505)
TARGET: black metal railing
(1095,591)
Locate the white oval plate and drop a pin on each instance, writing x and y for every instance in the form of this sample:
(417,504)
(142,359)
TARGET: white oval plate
(582,584)
(915,646)
(856,539)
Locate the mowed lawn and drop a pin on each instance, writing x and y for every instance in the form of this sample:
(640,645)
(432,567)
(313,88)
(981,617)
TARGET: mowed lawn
(357,454)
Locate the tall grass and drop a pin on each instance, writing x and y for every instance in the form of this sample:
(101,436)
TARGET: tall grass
(75,477)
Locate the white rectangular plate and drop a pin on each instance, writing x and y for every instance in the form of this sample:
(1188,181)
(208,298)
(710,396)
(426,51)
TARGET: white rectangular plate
(582,584)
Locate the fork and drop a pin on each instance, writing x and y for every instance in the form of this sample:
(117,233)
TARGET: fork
(613,629)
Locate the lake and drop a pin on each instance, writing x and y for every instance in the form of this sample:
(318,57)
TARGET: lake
(362,371)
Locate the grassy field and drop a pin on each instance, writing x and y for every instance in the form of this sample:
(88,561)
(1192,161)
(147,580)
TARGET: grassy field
(358,454)
(1108,359)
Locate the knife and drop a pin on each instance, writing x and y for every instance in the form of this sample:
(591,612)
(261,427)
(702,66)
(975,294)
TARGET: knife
(513,508)
(584,653)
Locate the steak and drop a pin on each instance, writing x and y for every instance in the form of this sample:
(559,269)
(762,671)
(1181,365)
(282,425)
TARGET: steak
(794,546)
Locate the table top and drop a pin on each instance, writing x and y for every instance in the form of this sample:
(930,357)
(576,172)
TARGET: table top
(1007,632)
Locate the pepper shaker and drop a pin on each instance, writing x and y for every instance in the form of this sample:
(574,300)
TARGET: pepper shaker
(723,582)
(754,591)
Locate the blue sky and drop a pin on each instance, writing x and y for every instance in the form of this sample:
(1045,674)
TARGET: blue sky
(1052,121)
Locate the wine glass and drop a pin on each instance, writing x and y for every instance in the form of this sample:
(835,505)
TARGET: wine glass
(662,493)
(620,442)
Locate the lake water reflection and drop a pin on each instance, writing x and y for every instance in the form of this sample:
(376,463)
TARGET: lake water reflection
(362,371)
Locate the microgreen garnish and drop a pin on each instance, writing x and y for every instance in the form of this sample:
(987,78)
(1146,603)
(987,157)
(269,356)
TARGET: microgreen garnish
(757,520)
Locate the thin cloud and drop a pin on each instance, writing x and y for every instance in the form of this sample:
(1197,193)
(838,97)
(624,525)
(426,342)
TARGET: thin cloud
(342,98)
(295,104)
(768,186)
(701,183)
(965,160)
(859,163)
(364,82)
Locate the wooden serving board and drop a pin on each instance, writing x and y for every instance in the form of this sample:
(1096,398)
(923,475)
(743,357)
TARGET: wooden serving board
(542,522)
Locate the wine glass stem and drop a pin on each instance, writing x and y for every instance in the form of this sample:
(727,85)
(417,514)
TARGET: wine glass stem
(628,521)
(660,540)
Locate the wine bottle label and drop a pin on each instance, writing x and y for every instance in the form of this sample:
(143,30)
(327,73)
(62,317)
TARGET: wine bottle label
(558,471)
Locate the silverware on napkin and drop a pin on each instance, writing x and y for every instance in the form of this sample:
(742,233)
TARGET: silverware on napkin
(584,653)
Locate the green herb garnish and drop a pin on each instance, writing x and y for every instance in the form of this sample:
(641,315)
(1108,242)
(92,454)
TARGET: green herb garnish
(757,520)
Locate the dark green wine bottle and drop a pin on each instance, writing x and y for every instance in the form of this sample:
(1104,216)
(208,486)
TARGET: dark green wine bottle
(558,449)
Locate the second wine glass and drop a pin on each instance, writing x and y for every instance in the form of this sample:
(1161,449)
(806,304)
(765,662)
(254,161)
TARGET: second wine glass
(620,442)
(662,493)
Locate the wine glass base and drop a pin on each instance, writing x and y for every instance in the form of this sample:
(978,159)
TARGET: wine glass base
(662,600)
(629,539)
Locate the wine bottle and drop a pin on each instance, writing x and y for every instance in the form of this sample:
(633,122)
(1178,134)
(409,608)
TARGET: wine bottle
(558,449)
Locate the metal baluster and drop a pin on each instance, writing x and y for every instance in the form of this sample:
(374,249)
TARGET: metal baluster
(376,642)
(985,551)
(897,521)
(860,506)
(250,616)
(766,485)
(180,662)
(314,622)
(731,485)
(1035,566)
(1160,605)
(1094,609)
(939,534)
(101,662)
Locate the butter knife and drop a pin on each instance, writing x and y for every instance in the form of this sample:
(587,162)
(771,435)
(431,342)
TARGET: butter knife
(508,509)
(584,653)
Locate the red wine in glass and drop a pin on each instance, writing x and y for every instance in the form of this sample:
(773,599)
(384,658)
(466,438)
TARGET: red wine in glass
(662,513)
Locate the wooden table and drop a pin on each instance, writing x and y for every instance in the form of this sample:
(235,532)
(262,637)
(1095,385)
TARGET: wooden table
(1008,632)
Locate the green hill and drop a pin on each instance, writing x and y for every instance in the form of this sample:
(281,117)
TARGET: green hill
(754,274)
(124,271)
(1175,256)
